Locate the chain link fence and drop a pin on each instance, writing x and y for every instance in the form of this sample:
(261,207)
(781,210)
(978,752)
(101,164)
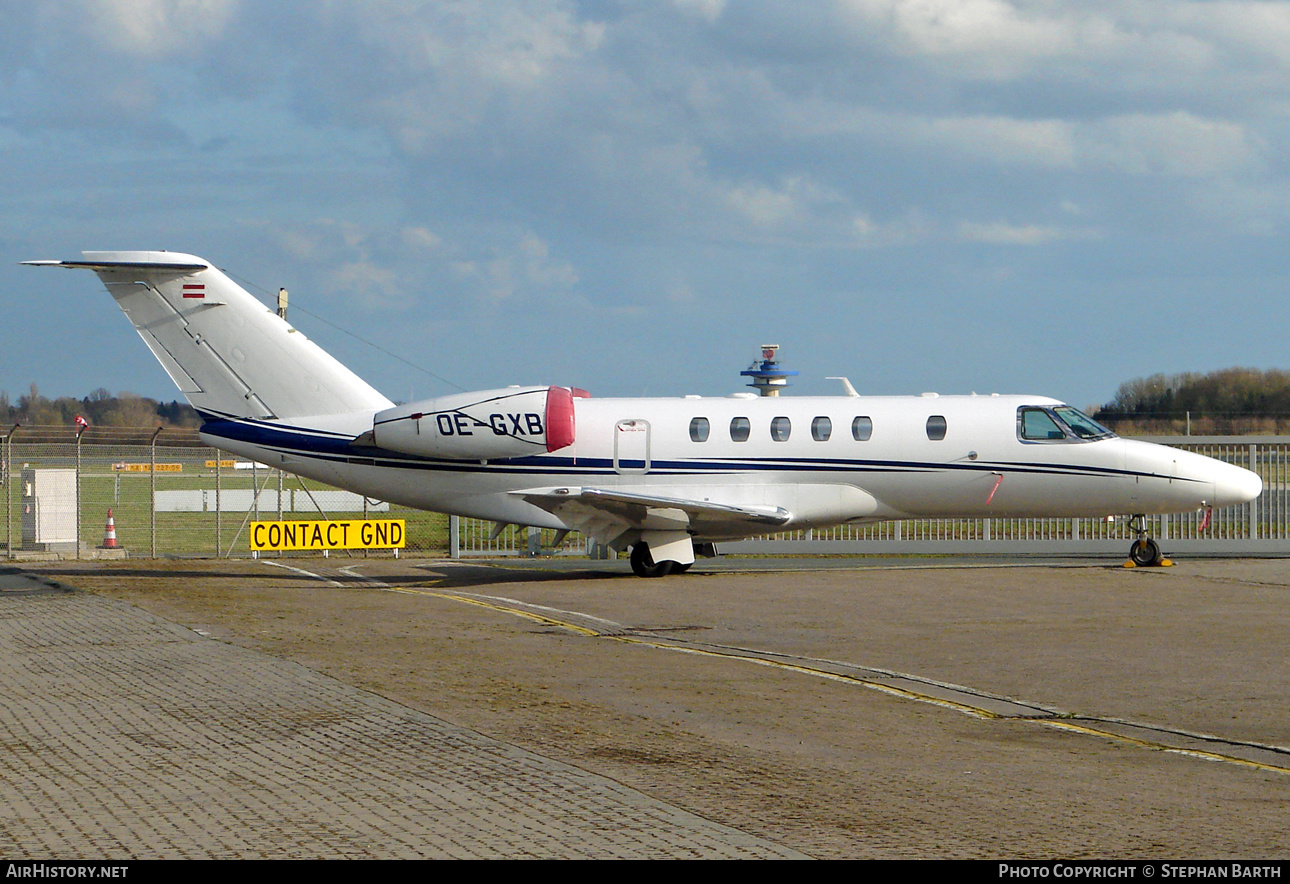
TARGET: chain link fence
(165,494)
(115,492)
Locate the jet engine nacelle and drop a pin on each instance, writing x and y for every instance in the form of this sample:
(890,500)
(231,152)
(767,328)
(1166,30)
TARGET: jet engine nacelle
(483,425)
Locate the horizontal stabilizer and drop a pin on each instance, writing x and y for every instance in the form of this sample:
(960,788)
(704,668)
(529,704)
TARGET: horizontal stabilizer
(162,264)
(228,353)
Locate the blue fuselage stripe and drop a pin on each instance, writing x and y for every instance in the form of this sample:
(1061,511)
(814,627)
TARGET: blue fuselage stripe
(339,448)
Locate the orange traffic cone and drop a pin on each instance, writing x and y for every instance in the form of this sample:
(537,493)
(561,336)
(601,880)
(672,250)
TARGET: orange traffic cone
(109,534)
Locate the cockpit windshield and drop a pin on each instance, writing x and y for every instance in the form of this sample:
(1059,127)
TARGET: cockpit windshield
(1081,424)
(1059,424)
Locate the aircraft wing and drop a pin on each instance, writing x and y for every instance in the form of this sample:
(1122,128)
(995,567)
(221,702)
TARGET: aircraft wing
(607,513)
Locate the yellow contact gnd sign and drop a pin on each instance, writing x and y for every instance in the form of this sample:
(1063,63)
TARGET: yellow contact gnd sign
(338,534)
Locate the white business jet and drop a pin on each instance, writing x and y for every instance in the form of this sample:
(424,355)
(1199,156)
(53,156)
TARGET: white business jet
(667,478)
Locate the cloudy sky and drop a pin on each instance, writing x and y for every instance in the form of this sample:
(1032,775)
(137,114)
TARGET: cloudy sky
(1034,196)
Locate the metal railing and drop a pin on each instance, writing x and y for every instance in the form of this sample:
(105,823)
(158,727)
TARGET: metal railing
(1261,527)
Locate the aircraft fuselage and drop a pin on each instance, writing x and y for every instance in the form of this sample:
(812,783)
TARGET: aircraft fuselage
(801,454)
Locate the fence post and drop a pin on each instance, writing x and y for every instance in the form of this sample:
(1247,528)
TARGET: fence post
(218,527)
(454,537)
(8,490)
(79,431)
(152,489)
(1254,504)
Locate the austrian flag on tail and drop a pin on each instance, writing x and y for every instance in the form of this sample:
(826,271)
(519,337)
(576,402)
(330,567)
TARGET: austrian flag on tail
(194,290)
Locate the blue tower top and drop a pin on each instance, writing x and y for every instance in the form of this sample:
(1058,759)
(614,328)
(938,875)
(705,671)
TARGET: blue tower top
(767,377)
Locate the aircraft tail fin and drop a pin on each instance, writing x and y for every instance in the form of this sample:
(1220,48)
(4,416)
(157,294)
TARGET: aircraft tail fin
(229,354)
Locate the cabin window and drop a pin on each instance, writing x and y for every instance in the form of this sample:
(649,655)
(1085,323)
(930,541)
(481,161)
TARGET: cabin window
(699,429)
(821,429)
(780,428)
(740,427)
(1038,425)
(936,427)
(862,428)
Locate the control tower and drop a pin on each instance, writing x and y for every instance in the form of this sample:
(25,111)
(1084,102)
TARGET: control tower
(767,377)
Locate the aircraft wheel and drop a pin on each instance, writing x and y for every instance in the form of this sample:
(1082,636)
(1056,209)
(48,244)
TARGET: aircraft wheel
(1145,552)
(678,568)
(643,563)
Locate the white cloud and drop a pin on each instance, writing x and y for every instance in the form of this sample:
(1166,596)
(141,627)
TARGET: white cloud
(1001,233)
(1177,143)
(541,269)
(298,244)
(1174,143)
(981,28)
(986,38)
(367,284)
(421,239)
(708,10)
(1073,56)
(793,201)
(1249,33)
(1003,140)
(436,70)
(156,27)
(519,269)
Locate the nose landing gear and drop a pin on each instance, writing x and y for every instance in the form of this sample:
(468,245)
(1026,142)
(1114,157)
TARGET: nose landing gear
(1145,552)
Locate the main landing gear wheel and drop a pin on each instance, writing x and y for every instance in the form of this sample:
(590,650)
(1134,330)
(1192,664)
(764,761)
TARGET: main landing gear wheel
(643,563)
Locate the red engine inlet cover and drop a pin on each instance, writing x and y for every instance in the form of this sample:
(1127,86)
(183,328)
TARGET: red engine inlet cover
(559,418)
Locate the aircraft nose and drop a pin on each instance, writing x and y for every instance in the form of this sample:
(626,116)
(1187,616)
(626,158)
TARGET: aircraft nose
(1235,485)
